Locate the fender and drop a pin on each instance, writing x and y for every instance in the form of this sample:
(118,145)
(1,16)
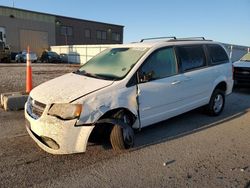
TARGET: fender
(97,105)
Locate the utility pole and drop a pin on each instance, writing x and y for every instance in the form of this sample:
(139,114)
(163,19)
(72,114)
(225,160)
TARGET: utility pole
(231,52)
(13,4)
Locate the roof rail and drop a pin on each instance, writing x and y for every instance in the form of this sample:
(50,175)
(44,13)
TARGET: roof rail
(156,38)
(190,39)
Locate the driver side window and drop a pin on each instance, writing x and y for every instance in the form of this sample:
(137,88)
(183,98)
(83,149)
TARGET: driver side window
(160,64)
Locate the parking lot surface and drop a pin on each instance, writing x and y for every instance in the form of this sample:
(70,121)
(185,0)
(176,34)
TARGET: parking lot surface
(191,150)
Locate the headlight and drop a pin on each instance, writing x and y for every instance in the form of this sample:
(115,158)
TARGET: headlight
(66,111)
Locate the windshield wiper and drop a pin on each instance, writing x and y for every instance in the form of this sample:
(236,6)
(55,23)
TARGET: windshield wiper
(103,77)
(109,77)
(83,72)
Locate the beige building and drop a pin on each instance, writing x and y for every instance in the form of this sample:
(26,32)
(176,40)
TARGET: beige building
(21,28)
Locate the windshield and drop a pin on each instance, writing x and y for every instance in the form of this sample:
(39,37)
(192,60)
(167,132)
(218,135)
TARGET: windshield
(246,57)
(112,63)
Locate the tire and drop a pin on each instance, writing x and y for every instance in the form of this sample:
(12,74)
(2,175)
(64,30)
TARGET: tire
(117,139)
(216,103)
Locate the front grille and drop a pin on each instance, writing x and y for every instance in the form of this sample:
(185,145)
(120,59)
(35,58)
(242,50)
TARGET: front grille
(35,108)
(242,74)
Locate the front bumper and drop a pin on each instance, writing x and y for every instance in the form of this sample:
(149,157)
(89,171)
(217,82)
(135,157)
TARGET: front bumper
(242,76)
(242,83)
(62,133)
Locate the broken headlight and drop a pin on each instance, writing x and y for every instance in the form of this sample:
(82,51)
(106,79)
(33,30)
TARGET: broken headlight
(66,111)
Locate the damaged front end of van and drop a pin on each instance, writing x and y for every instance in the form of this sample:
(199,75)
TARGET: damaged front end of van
(62,113)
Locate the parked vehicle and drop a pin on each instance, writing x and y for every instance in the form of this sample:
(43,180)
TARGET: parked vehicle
(64,58)
(242,71)
(4,53)
(21,57)
(13,56)
(50,57)
(128,87)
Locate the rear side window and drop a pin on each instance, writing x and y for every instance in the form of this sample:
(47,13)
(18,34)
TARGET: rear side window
(191,57)
(217,54)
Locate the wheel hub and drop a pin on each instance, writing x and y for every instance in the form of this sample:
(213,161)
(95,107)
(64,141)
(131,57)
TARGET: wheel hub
(218,103)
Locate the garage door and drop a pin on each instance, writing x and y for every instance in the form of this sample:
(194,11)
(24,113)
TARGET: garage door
(37,40)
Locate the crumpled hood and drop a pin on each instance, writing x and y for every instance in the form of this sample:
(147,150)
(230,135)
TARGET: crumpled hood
(242,64)
(67,88)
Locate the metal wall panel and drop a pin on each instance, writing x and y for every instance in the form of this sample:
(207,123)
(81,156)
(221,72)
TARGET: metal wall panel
(36,40)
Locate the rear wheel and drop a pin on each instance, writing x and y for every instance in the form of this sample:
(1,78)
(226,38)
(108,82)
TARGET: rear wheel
(216,103)
(122,138)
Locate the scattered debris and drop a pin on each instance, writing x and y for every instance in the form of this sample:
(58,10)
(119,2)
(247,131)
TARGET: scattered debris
(220,178)
(168,162)
(243,169)
(189,176)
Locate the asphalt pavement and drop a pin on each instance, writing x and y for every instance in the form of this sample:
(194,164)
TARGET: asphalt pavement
(191,150)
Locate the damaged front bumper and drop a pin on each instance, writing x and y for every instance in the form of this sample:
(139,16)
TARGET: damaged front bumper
(58,136)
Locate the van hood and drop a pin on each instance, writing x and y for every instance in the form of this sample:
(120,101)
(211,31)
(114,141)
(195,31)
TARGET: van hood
(242,64)
(67,88)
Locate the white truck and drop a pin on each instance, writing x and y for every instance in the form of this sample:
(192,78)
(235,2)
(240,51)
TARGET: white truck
(4,49)
(2,35)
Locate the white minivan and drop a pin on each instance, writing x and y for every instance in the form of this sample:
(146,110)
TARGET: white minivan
(125,88)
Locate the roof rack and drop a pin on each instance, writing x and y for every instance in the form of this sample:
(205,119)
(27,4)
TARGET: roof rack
(156,38)
(190,39)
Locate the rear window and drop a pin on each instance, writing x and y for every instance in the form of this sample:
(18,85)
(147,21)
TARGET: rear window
(191,57)
(217,54)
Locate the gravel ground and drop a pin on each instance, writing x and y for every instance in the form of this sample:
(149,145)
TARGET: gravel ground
(13,76)
(191,150)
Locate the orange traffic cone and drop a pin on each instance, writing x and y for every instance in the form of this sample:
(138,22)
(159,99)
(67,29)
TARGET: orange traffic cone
(28,72)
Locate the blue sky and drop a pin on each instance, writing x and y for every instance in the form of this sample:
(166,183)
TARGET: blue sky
(221,20)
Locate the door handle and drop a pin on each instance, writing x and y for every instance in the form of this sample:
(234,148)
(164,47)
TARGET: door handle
(176,82)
